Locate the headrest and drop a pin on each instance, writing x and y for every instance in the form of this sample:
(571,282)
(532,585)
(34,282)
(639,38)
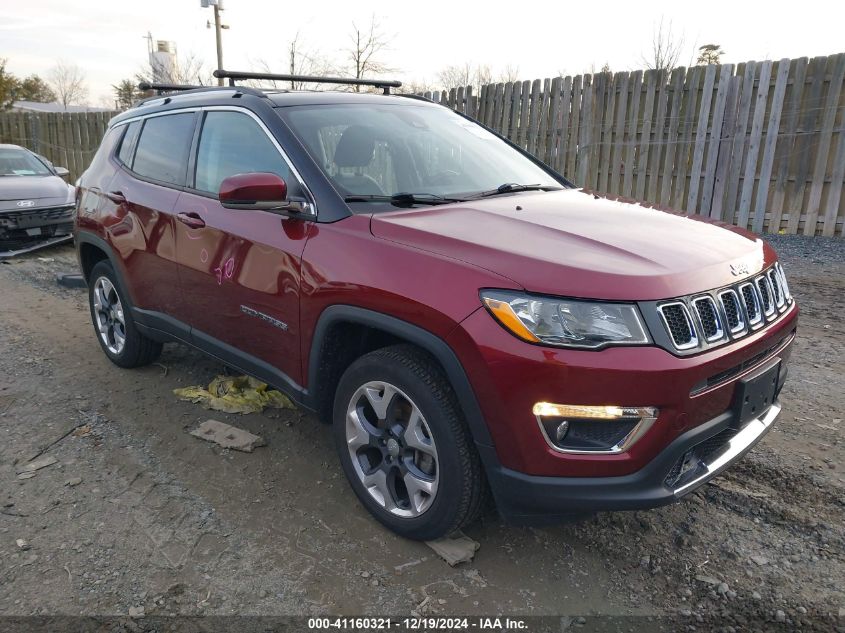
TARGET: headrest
(356,147)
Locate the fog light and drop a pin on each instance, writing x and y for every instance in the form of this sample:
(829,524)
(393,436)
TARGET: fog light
(560,431)
(592,429)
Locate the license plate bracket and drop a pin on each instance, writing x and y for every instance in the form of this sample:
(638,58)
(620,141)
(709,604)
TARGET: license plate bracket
(756,393)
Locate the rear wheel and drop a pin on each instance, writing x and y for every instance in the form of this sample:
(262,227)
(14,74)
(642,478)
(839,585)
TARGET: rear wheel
(116,332)
(404,445)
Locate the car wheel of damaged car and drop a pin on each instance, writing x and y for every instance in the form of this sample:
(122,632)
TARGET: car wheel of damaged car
(404,445)
(116,331)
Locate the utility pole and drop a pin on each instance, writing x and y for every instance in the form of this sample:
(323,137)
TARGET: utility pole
(218,31)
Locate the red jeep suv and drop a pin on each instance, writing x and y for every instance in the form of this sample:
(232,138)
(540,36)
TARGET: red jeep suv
(465,319)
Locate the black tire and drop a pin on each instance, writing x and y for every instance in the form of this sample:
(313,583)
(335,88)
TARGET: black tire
(461,490)
(138,350)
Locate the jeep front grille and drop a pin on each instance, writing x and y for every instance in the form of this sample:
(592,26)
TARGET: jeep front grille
(716,317)
(774,283)
(734,317)
(765,291)
(751,302)
(709,317)
(678,322)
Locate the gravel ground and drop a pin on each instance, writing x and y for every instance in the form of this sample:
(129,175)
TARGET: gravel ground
(137,514)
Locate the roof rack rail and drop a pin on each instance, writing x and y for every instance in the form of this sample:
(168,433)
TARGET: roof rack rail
(162,88)
(232,76)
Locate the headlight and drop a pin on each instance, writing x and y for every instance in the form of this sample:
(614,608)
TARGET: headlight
(566,322)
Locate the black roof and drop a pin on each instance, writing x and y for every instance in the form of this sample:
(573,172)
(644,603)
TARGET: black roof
(214,95)
(325,97)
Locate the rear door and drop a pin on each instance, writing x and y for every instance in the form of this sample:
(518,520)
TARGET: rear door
(240,270)
(154,156)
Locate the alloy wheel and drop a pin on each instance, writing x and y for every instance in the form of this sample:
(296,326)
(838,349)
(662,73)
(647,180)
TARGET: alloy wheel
(392,449)
(108,313)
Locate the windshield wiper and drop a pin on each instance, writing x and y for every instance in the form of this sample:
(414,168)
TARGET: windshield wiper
(511,187)
(403,199)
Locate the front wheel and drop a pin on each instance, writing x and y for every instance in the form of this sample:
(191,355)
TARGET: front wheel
(404,445)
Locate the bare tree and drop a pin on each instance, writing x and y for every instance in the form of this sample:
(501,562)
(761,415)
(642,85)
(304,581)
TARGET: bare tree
(483,75)
(306,61)
(367,47)
(666,48)
(300,61)
(186,70)
(467,74)
(455,75)
(416,87)
(509,74)
(709,54)
(68,82)
(299,66)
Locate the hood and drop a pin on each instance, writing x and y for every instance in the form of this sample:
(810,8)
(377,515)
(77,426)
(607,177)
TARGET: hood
(44,191)
(573,244)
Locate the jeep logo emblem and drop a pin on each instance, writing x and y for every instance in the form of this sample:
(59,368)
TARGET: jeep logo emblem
(739,269)
(26,203)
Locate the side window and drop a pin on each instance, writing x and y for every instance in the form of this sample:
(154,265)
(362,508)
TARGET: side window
(233,143)
(127,145)
(163,148)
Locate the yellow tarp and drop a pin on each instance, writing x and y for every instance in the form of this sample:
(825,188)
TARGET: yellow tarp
(235,394)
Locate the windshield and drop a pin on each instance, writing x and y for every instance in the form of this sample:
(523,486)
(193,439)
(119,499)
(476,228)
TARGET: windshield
(19,162)
(385,150)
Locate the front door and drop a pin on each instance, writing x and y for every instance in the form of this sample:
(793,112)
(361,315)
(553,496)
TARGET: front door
(240,270)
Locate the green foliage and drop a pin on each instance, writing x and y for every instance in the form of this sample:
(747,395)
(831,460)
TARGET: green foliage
(126,93)
(709,54)
(33,88)
(12,89)
(9,85)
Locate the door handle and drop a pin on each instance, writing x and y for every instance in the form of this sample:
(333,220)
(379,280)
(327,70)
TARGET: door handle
(116,196)
(191,219)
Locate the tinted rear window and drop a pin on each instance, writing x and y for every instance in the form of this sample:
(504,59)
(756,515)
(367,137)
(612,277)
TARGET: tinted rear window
(127,145)
(162,152)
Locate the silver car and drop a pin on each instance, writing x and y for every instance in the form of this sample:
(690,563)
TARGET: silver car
(36,204)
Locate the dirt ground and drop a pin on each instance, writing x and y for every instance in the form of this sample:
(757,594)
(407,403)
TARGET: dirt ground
(138,513)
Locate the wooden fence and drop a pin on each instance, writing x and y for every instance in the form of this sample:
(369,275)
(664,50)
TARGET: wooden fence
(65,139)
(759,144)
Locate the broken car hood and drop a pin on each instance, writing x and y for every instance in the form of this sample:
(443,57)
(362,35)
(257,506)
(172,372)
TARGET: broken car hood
(570,243)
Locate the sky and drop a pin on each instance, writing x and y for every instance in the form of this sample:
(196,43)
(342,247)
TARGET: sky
(106,37)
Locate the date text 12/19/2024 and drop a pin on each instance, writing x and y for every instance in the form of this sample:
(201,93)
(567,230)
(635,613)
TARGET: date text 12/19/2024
(418,624)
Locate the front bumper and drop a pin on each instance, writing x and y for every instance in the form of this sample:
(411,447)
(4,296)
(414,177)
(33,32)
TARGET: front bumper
(509,376)
(525,498)
(22,227)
